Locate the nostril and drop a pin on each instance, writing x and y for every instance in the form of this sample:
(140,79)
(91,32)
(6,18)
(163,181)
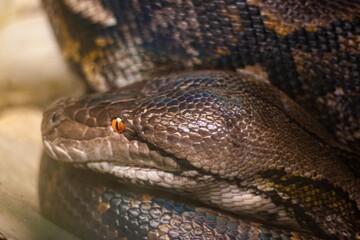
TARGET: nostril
(55,117)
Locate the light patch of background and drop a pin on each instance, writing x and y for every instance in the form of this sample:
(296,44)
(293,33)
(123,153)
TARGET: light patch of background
(32,73)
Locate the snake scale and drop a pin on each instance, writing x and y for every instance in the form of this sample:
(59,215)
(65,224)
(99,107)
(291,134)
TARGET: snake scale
(184,131)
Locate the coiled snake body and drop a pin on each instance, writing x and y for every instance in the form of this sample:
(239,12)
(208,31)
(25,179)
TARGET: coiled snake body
(199,122)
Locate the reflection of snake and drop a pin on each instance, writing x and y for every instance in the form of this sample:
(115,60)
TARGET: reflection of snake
(226,139)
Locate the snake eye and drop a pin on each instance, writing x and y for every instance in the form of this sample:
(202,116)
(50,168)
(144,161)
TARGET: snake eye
(118,125)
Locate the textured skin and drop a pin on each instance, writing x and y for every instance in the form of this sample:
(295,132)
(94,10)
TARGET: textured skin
(286,162)
(225,139)
(139,213)
(308,49)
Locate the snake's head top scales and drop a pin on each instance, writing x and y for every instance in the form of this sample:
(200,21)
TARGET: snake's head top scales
(197,132)
(190,121)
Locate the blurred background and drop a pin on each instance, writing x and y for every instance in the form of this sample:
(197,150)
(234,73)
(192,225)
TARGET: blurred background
(32,74)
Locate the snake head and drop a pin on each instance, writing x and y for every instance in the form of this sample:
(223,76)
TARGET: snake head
(217,136)
(175,123)
(179,132)
(216,123)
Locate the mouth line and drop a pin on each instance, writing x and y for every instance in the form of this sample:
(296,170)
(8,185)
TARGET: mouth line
(120,164)
(148,176)
(184,166)
(183,163)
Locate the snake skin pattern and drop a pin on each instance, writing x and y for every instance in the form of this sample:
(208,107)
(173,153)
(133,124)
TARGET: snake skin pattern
(227,140)
(310,50)
(139,213)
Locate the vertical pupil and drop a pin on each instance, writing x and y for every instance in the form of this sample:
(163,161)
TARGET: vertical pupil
(117,125)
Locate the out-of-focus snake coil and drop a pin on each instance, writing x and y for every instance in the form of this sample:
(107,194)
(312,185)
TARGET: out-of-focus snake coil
(185,130)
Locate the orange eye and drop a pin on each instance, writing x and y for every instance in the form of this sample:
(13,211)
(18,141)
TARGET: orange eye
(117,125)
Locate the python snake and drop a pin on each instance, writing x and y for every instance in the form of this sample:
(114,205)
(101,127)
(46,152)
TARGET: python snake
(186,106)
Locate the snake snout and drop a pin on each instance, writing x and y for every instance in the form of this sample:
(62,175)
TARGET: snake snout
(52,117)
